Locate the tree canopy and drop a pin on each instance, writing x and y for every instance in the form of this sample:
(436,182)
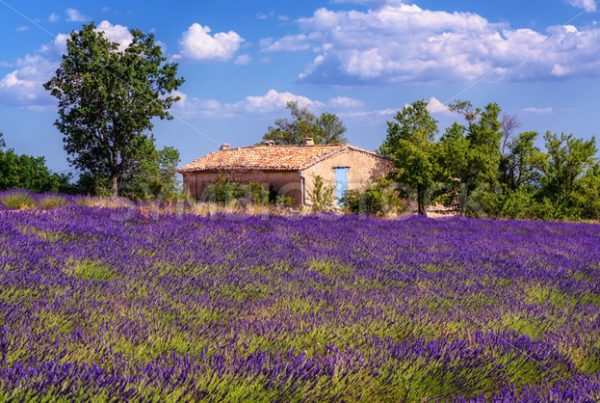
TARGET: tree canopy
(28,172)
(327,128)
(156,176)
(484,167)
(410,142)
(107,100)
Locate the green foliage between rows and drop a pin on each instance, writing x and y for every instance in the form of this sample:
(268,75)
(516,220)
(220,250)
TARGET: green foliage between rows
(18,201)
(24,201)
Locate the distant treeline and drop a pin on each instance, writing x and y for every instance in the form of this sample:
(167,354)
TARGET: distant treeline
(28,172)
(154,176)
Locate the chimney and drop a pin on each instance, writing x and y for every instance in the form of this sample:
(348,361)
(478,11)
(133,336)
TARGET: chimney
(308,142)
(224,147)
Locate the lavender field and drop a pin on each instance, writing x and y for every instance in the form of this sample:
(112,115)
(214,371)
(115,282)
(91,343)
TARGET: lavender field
(99,304)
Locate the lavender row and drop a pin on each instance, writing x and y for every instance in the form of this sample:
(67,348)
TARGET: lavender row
(110,303)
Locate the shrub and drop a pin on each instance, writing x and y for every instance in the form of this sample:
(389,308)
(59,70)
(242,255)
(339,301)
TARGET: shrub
(586,198)
(321,195)
(18,201)
(96,185)
(105,202)
(378,199)
(155,177)
(50,202)
(524,204)
(223,191)
(559,209)
(257,193)
(284,201)
(520,204)
(226,191)
(482,203)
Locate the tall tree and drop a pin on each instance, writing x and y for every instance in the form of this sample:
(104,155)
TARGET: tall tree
(410,142)
(521,161)
(156,176)
(484,134)
(510,124)
(588,194)
(326,128)
(108,98)
(453,157)
(568,160)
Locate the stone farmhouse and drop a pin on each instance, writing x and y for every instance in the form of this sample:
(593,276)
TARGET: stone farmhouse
(287,170)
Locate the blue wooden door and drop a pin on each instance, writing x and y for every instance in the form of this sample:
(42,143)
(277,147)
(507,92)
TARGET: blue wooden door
(341,182)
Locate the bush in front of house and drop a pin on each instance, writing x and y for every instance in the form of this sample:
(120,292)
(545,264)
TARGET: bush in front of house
(321,195)
(378,199)
(256,193)
(226,191)
(284,201)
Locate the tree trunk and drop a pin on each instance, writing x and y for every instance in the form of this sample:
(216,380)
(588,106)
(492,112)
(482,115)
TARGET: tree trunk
(114,183)
(463,197)
(421,201)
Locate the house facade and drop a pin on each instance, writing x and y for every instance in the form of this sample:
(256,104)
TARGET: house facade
(287,170)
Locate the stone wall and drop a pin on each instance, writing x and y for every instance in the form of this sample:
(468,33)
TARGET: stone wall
(364,169)
(282,182)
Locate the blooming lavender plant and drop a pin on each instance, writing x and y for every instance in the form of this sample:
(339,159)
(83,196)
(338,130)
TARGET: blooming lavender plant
(111,304)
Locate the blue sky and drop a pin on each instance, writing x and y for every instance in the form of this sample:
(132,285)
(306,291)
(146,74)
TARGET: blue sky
(362,59)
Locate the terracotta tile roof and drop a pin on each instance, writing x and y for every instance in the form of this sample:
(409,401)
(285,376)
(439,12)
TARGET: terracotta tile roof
(266,158)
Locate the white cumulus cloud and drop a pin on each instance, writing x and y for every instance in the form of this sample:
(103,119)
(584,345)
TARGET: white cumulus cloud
(588,5)
(243,60)
(397,42)
(116,33)
(197,43)
(434,106)
(272,101)
(74,15)
(23,86)
(538,111)
(289,43)
(367,2)
(345,102)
